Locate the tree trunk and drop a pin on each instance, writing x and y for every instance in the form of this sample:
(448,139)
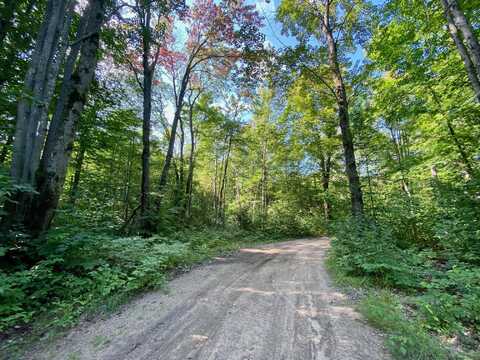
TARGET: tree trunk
(77,173)
(264,179)
(38,91)
(473,76)
(397,145)
(191,160)
(128,172)
(325,165)
(50,177)
(453,135)
(181,179)
(215,187)
(461,149)
(221,207)
(342,103)
(4,153)
(466,28)
(148,70)
(171,143)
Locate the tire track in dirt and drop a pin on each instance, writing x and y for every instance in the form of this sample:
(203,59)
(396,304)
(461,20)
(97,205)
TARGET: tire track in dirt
(274,302)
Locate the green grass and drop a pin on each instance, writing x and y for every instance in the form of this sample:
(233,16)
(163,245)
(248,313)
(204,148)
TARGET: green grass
(407,339)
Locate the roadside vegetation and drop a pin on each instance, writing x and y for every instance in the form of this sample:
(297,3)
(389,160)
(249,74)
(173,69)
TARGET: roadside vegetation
(419,273)
(138,137)
(89,273)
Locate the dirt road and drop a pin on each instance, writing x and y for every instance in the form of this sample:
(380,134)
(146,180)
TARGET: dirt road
(274,302)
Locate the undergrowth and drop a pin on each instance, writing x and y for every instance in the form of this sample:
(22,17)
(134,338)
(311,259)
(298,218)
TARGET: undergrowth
(84,273)
(426,298)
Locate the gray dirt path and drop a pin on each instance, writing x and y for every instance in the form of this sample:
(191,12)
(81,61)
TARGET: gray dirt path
(274,302)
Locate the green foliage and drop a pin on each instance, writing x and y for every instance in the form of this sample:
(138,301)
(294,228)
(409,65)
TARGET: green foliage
(440,291)
(407,339)
(362,247)
(79,272)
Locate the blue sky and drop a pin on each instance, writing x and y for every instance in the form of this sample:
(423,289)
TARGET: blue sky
(273,29)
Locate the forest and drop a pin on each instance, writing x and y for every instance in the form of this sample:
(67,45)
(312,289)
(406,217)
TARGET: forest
(142,136)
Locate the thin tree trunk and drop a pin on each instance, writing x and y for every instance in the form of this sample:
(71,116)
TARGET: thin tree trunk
(342,103)
(53,166)
(128,172)
(400,157)
(325,165)
(264,181)
(461,149)
(191,160)
(456,141)
(221,207)
(5,147)
(77,173)
(215,187)
(171,143)
(182,160)
(370,190)
(473,76)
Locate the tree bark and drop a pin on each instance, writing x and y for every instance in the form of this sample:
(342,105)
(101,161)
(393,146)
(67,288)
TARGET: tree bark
(182,160)
(50,177)
(468,33)
(342,103)
(38,90)
(473,75)
(147,113)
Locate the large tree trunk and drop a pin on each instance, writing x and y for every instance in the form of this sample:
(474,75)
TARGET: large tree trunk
(473,76)
(50,177)
(148,71)
(467,31)
(342,103)
(32,114)
(147,111)
(32,109)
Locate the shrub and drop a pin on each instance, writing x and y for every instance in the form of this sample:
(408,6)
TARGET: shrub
(363,247)
(77,271)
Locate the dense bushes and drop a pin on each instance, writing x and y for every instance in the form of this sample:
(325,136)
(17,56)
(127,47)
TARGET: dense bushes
(77,272)
(426,254)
